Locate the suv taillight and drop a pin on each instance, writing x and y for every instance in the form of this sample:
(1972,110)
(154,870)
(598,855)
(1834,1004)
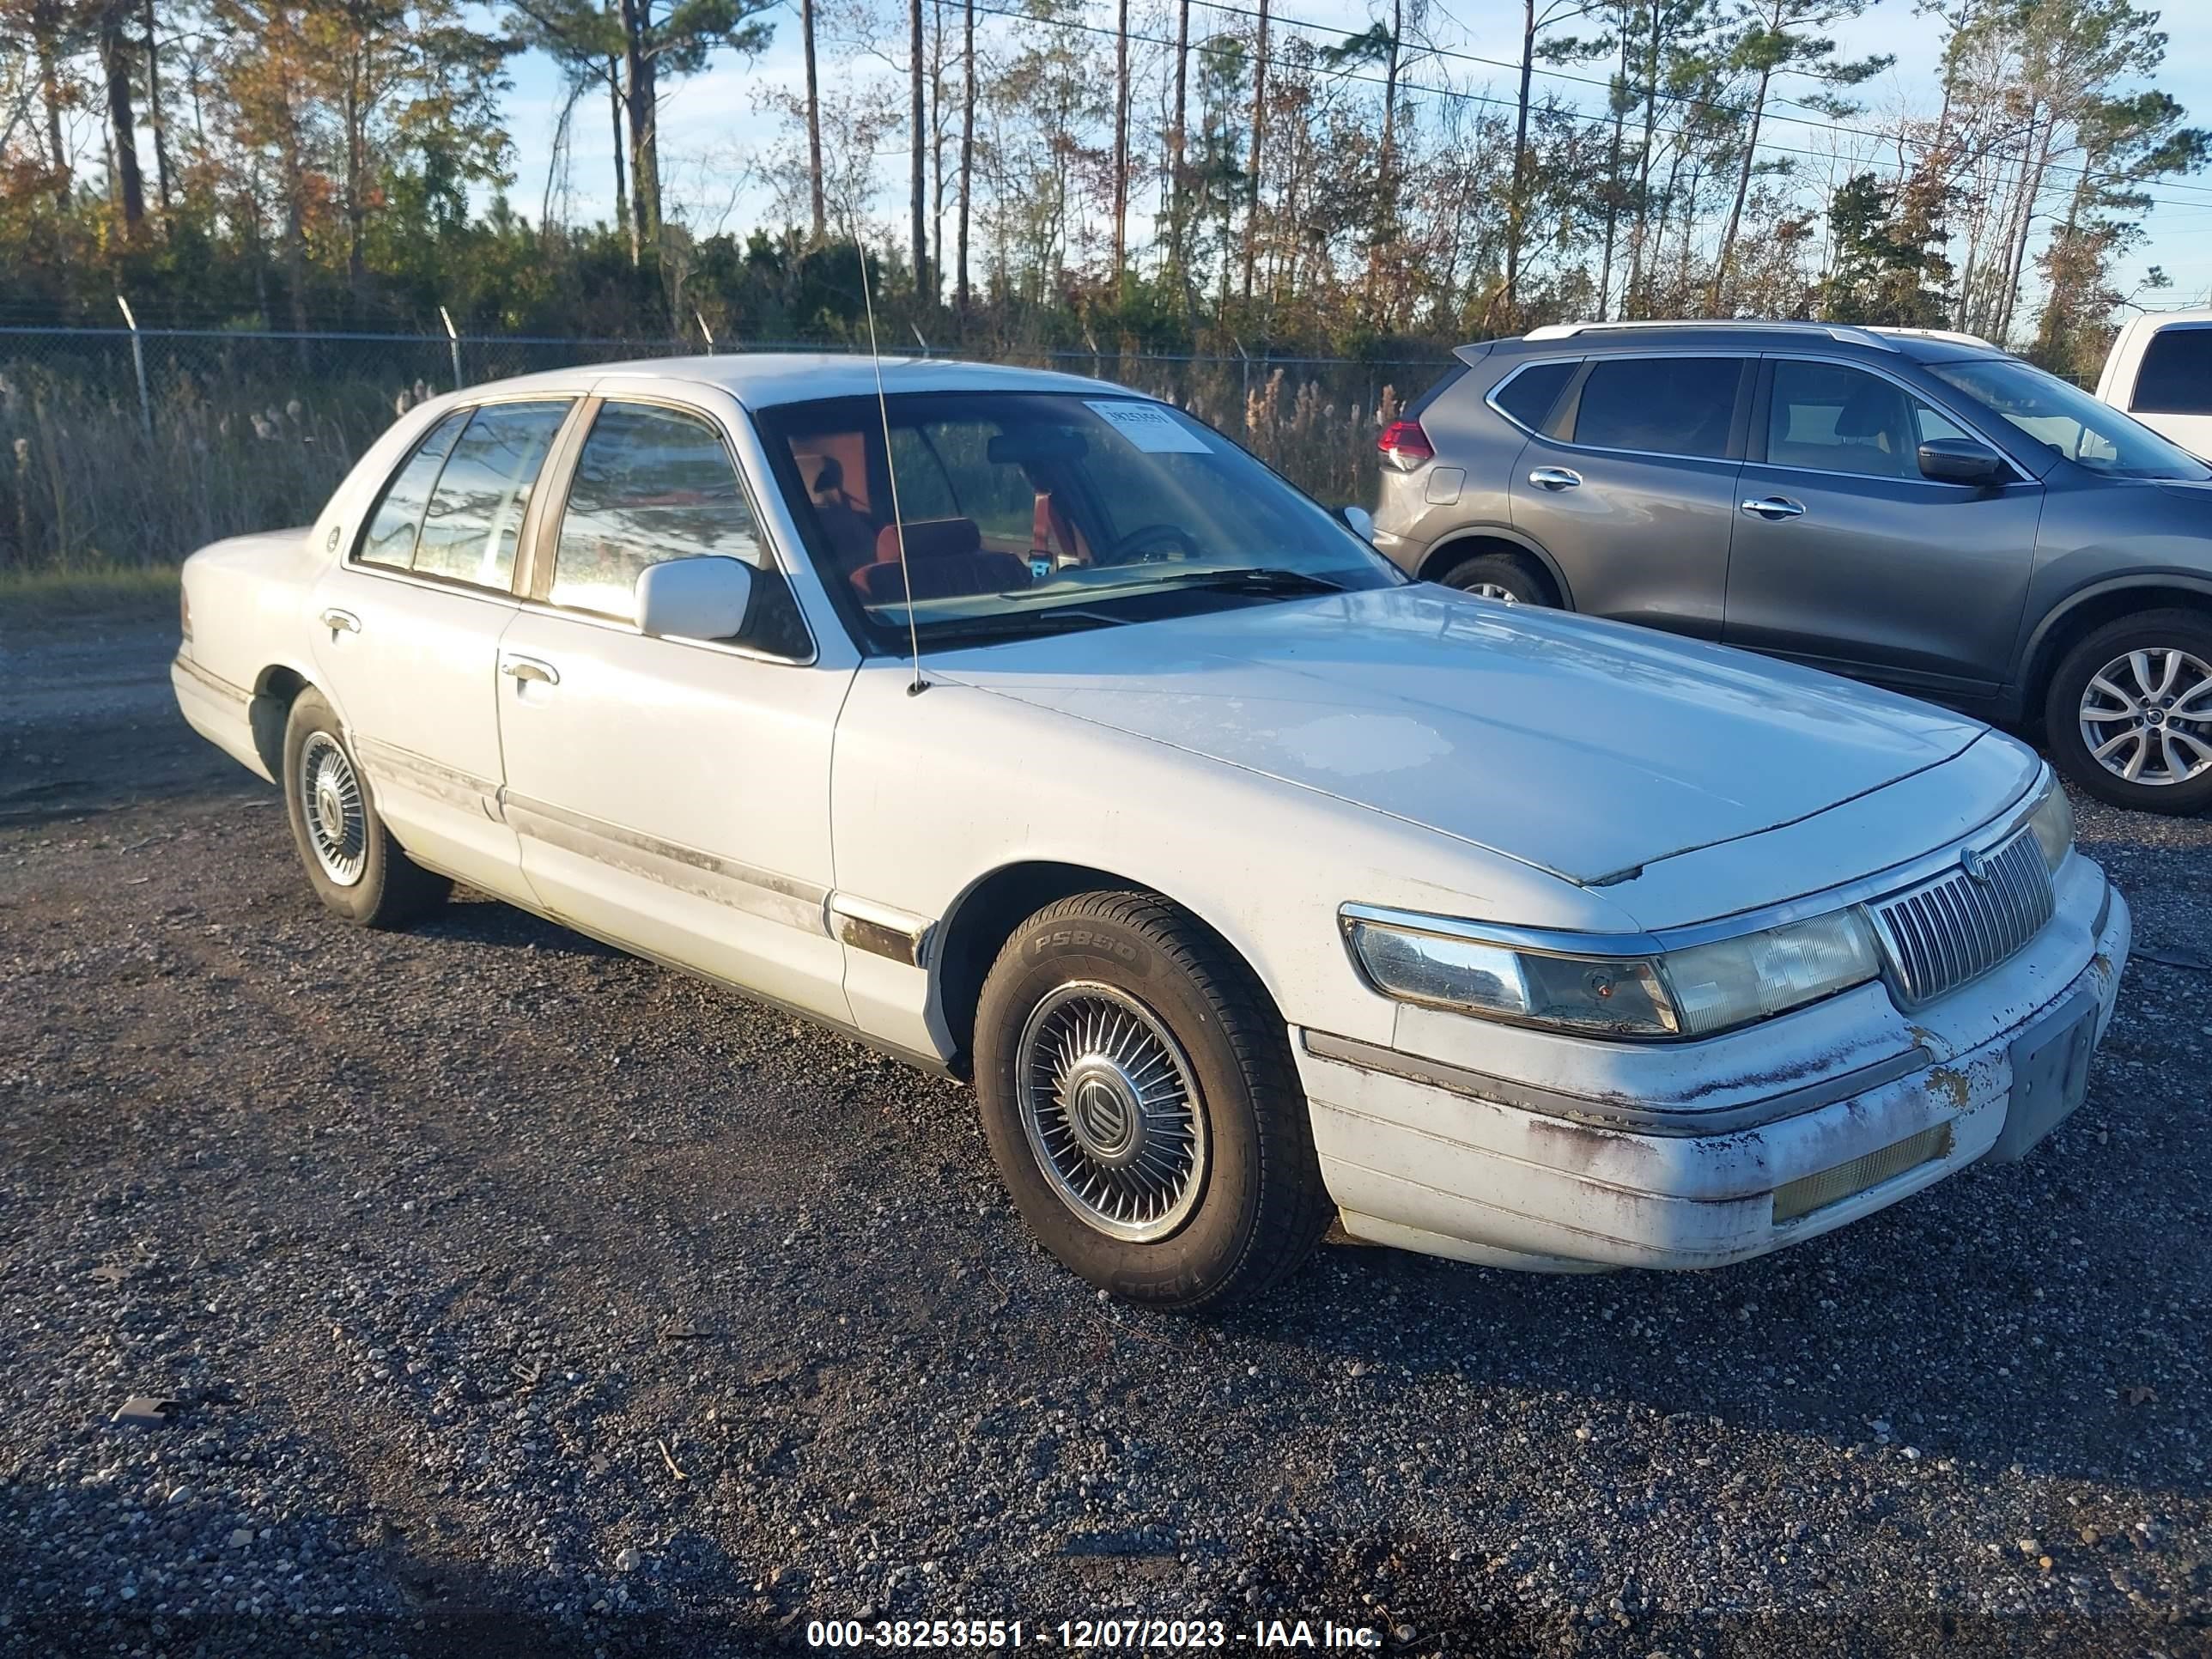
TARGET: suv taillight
(184,612)
(1405,445)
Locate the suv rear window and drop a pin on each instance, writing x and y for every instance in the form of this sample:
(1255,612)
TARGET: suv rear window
(1528,397)
(1660,405)
(2176,375)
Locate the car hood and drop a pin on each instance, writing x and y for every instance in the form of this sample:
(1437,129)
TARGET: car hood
(1587,749)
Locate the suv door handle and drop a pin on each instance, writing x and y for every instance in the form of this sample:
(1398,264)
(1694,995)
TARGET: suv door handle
(529,668)
(1554,477)
(341,622)
(1775,508)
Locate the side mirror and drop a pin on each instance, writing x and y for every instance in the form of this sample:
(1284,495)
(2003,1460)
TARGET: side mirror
(1362,522)
(701,598)
(1963,461)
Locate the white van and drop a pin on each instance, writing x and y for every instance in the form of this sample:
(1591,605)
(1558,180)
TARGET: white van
(2160,371)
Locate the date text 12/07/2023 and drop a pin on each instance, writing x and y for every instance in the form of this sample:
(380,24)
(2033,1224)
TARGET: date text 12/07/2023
(1086,1635)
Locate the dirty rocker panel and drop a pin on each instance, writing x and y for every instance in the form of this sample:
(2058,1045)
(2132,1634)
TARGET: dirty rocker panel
(741,886)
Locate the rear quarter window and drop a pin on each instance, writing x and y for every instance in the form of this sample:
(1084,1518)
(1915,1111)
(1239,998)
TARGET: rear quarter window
(1529,397)
(2175,376)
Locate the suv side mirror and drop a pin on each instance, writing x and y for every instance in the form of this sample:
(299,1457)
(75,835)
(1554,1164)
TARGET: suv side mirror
(1963,461)
(698,598)
(1362,522)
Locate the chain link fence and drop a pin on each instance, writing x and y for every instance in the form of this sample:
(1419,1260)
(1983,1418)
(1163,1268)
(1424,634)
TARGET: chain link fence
(134,445)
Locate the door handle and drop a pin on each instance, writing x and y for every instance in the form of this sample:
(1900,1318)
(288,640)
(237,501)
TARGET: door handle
(529,668)
(341,622)
(1555,477)
(1775,508)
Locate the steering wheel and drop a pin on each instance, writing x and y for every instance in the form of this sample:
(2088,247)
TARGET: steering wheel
(1152,544)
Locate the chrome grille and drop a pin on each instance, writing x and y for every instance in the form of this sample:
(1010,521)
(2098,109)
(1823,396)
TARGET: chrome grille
(1959,926)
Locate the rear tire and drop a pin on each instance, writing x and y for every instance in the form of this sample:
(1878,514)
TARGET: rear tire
(1141,1103)
(355,868)
(2150,678)
(1501,577)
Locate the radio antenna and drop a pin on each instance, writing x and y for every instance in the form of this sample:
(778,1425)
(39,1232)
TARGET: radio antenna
(890,467)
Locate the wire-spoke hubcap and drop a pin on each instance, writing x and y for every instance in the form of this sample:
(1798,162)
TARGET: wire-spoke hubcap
(337,815)
(2146,717)
(1111,1111)
(1493,590)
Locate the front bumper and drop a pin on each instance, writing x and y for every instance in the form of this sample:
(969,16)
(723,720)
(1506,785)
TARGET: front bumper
(1429,1155)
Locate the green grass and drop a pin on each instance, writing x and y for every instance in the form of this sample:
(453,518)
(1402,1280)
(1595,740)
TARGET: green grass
(67,592)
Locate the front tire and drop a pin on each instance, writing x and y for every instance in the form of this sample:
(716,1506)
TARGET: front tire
(2128,715)
(354,865)
(1142,1104)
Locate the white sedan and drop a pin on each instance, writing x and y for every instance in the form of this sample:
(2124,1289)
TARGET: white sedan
(1253,885)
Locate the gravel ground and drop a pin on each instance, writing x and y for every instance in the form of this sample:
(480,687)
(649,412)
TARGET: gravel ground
(516,1296)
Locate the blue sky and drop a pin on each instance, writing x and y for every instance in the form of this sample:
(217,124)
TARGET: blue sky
(710,130)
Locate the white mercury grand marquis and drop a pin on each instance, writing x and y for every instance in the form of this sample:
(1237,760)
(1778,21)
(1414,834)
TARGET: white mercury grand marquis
(1252,884)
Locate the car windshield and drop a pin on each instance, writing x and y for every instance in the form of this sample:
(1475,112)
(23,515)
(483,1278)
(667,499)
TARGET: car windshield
(2069,421)
(1036,512)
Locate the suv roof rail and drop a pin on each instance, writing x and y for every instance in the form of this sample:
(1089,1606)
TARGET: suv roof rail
(1850,335)
(1955,336)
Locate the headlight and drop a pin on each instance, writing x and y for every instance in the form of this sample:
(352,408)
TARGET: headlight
(2053,824)
(1691,992)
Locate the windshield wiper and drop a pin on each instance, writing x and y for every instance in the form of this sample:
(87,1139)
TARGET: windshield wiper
(1009,624)
(1258,578)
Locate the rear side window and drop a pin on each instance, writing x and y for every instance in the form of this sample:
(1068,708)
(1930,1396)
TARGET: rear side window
(475,517)
(399,517)
(2176,375)
(1529,397)
(1660,405)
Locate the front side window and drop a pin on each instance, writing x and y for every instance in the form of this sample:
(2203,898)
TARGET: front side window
(654,484)
(1035,512)
(2067,421)
(475,517)
(1831,418)
(2175,377)
(1660,405)
(398,520)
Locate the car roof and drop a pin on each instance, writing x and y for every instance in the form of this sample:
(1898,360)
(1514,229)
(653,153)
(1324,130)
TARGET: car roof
(1924,345)
(762,380)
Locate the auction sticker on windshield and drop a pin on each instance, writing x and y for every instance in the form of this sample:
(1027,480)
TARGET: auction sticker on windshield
(1148,426)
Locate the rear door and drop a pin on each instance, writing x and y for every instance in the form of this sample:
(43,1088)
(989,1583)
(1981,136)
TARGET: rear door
(1847,558)
(408,633)
(1631,486)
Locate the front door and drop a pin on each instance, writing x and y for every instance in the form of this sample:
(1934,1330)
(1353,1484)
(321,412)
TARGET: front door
(671,795)
(408,628)
(1636,502)
(1847,558)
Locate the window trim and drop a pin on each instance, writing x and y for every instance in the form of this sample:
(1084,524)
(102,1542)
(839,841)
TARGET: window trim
(525,533)
(2135,406)
(1739,421)
(1573,363)
(545,534)
(1762,417)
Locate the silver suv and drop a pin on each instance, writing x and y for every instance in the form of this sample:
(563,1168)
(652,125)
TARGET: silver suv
(1917,509)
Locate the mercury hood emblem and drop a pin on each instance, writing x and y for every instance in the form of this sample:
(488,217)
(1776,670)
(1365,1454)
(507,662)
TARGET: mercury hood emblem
(1977,864)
